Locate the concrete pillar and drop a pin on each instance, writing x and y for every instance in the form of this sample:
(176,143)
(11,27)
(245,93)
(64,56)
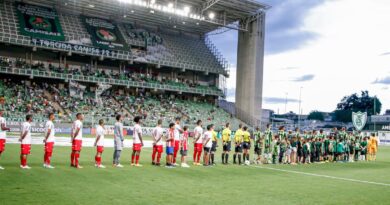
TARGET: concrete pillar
(250,58)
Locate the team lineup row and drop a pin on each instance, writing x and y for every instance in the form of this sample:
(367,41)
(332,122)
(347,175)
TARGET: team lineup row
(282,147)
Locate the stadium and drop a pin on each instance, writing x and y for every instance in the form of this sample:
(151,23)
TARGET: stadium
(142,63)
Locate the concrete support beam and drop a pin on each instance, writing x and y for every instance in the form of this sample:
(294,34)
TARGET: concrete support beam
(250,59)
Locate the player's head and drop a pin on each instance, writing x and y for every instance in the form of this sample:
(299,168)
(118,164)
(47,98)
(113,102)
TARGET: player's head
(321,131)
(137,119)
(29,118)
(159,122)
(171,125)
(177,120)
(51,116)
(1,112)
(80,116)
(245,128)
(257,128)
(118,118)
(185,128)
(268,125)
(101,122)
(227,125)
(240,126)
(343,129)
(2,100)
(281,128)
(297,129)
(373,134)
(210,127)
(199,123)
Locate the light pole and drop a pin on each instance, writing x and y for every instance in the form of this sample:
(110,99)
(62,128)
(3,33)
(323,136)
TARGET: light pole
(299,111)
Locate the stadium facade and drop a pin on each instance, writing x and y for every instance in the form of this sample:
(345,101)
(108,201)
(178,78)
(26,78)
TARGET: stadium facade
(133,47)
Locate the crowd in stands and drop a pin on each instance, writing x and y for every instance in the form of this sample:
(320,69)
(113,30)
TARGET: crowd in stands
(102,73)
(39,98)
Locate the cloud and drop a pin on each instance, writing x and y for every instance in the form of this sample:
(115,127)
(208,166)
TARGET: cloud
(304,78)
(385,54)
(385,81)
(290,68)
(277,100)
(284,25)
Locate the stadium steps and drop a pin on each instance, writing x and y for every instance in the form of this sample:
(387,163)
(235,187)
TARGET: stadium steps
(53,103)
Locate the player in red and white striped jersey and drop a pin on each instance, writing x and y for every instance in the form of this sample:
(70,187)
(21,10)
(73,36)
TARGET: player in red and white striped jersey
(184,147)
(137,142)
(170,143)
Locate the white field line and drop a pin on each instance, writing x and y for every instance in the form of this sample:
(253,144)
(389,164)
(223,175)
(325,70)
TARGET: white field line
(321,175)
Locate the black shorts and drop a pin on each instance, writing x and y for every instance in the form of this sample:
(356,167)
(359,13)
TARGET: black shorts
(207,149)
(214,146)
(238,148)
(246,145)
(300,153)
(183,153)
(257,150)
(351,151)
(227,147)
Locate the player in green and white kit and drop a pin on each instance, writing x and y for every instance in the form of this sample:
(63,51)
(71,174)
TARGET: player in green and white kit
(267,144)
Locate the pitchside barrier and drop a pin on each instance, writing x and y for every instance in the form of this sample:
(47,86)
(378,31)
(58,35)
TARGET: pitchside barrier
(65,128)
(384,138)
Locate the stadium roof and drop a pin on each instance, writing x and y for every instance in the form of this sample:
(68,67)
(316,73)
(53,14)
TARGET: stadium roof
(194,16)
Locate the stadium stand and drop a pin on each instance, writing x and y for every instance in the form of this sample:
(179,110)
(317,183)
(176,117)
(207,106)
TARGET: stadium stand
(164,74)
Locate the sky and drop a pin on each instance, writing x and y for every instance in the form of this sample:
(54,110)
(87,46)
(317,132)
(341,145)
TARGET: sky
(323,49)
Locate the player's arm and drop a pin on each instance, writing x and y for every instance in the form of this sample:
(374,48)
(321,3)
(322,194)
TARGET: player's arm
(47,135)
(154,133)
(121,133)
(24,134)
(197,138)
(4,128)
(76,133)
(140,138)
(96,140)
(205,142)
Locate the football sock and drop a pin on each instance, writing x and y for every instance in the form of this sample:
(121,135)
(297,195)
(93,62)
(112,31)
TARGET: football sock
(234,158)
(239,158)
(77,156)
(158,157)
(223,158)
(132,158)
(194,156)
(154,155)
(226,158)
(136,158)
(72,156)
(212,158)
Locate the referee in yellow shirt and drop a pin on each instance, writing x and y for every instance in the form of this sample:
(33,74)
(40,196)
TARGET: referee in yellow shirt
(246,144)
(226,143)
(238,139)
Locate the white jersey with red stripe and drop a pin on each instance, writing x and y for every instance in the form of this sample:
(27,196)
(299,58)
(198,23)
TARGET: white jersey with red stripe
(157,135)
(207,138)
(171,137)
(77,125)
(50,126)
(4,123)
(184,140)
(100,132)
(198,134)
(137,134)
(26,127)
(177,132)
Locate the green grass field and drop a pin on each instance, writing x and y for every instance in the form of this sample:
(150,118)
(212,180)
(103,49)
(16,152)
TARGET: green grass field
(231,184)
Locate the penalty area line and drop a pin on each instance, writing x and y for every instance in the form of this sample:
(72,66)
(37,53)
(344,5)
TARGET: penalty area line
(323,176)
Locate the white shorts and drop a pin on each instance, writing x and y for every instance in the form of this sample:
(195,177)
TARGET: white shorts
(294,149)
(288,152)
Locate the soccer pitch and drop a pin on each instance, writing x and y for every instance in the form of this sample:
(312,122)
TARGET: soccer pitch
(331,183)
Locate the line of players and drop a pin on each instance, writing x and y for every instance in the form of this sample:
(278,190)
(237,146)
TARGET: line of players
(283,147)
(312,146)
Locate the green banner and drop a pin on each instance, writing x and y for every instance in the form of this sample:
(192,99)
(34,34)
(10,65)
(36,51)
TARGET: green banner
(105,34)
(39,22)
